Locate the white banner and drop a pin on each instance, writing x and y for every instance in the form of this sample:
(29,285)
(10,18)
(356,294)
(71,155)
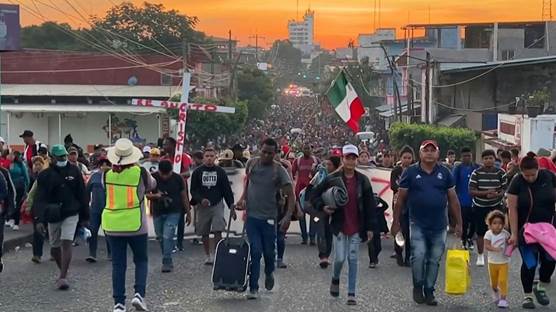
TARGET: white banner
(190,106)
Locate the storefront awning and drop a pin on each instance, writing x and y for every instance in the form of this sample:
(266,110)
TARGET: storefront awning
(80,108)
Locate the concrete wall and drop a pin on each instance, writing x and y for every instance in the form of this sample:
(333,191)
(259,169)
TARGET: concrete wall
(86,130)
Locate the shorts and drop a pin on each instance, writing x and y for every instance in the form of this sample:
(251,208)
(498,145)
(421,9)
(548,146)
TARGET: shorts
(210,219)
(64,230)
(479,216)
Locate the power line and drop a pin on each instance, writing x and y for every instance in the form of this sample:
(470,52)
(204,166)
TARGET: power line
(84,69)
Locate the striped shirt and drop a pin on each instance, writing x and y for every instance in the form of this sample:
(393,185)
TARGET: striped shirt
(483,179)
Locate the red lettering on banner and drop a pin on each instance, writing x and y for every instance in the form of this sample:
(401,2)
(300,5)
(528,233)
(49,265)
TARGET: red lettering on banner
(210,108)
(182,117)
(164,104)
(149,103)
(177,159)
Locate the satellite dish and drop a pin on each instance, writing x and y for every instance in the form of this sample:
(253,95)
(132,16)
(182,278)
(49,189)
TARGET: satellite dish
(132,81)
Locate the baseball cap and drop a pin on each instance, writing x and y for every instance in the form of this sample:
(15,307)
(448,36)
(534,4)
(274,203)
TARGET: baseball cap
(350,149)
(72,150)
(146,149)
(427,143)
(59,150)
(155,151)
(2,140)
(27,134)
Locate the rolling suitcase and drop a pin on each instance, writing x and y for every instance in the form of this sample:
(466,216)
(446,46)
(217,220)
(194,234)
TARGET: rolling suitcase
(231,263)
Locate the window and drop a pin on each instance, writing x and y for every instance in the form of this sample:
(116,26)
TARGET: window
(165,80)
(508,55)
(534,36)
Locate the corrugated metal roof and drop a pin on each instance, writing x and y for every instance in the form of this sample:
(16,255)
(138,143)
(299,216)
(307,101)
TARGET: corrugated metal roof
(80,108)
(509,63)
(88,90)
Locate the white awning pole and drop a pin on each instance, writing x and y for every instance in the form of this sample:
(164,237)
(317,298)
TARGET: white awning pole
(59,128)
(109,129)
(8,129)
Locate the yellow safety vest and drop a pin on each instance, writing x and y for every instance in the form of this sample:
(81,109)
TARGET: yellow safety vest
(123,207)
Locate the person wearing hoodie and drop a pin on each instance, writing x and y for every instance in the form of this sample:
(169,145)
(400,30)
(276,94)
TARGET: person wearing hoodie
(62,202)
(209,187)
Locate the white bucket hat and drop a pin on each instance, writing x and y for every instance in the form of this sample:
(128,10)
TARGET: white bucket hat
(124,153)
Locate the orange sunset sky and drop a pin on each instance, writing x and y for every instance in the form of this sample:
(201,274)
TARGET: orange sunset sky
(337,21)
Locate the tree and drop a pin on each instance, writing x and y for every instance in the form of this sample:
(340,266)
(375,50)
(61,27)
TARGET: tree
(149,25)
(51,35)
(203,127)
(447,138)
(286,63)
(256,89)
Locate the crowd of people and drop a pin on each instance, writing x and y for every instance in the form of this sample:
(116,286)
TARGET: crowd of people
(504,203)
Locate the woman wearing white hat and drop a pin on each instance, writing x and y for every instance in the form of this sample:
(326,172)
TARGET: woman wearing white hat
(125,221)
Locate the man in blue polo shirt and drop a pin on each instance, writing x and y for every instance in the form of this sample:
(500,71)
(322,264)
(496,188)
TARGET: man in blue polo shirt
(427,188)
(462,173)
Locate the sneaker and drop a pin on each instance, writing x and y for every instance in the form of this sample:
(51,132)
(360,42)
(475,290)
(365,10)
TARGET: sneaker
(470,244)
(269,282)
(119,308)
(209,260)
(372,265)
(281,265)
(503,304)
(253,295)
(36,259)
(91,259)
(480,260)
(351,300)
(528,303)
(418,295)
(324,263)
(15,227)
(180,247)
(167,268)
(495,296)
(10,223)
(304,242)
(540,294)
(62,284)
(312,243)
(335,288)
(1,266)
(393,255)
(430,300)
(138,303)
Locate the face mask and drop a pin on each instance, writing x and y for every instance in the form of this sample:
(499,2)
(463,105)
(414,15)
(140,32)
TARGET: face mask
(61,163)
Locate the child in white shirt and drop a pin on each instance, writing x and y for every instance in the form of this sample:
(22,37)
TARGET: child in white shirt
(496,242)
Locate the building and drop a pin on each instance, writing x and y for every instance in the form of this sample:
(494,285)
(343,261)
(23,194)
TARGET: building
(476,70)
(302,33)
(87,95)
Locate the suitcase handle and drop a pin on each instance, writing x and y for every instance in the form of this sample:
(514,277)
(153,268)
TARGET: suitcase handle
(228,231)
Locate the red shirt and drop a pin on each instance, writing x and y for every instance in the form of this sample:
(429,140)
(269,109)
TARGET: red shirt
(303,167)
(29,156)
(185,162)
(5,163)
(351,210)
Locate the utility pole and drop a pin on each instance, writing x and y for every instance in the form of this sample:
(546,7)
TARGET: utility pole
(230,47)
(257,37)
(427,89)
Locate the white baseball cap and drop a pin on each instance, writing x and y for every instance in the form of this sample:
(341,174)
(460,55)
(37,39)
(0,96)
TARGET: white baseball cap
(350,149)
(146,149)
(2,140)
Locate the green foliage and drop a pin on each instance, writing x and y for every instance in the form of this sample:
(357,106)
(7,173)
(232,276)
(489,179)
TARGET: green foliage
(255,88)
(203,127)
(539,97)
(51,35)
(447,138)
(149,25)
(286,63)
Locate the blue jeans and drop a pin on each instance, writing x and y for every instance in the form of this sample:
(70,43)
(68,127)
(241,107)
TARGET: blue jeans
(138,246)
(262,238)
(165,228)
(427,248)
(312,228)
(93,240)
(346,248)
(280,244)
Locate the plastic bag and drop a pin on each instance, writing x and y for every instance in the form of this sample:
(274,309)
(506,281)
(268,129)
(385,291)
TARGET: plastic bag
(458,277)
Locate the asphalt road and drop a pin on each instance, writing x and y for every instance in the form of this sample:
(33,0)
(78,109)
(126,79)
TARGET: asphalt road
(303,286)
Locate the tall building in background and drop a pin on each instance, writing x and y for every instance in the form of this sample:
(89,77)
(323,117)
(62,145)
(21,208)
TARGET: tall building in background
(302,33)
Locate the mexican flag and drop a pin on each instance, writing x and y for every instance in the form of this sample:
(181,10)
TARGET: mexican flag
(345,101)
